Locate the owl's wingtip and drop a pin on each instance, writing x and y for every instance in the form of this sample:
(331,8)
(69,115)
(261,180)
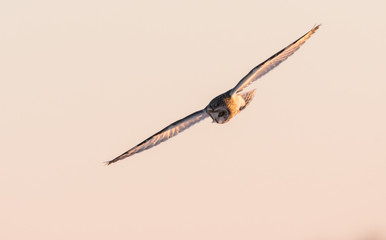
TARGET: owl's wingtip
(107,163)
(120,157)
(316,27)
(112,161)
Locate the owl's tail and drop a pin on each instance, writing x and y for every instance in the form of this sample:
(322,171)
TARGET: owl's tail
(248,96)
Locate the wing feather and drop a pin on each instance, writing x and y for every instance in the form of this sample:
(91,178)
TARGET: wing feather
(272,62)
(163,135)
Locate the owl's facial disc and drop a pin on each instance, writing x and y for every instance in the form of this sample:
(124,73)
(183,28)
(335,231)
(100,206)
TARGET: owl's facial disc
(219,115)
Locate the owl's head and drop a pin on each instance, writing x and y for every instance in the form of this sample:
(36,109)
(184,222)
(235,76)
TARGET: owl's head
(218,112)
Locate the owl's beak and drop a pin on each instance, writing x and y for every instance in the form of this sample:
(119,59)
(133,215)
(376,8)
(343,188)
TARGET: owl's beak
(211,110)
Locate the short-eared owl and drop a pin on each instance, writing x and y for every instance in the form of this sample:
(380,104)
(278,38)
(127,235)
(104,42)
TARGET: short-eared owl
(223,107)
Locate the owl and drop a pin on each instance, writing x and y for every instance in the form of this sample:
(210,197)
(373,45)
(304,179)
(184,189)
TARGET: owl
(223,107)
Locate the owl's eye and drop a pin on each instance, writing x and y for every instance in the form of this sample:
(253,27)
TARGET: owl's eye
(221,114)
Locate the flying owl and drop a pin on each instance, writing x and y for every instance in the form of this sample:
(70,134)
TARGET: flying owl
(223,107)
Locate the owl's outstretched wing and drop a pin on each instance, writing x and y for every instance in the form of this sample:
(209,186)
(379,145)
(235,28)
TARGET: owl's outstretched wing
(272,62)
(163,135)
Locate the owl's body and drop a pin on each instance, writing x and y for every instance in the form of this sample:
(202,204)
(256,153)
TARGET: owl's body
(223,107)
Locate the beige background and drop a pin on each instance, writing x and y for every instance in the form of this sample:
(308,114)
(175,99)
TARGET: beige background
(83,81)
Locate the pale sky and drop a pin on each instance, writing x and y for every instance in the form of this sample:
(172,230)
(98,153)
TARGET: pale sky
(83,81)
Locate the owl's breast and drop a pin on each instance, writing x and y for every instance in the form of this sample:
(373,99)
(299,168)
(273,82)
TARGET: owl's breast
(234,103)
